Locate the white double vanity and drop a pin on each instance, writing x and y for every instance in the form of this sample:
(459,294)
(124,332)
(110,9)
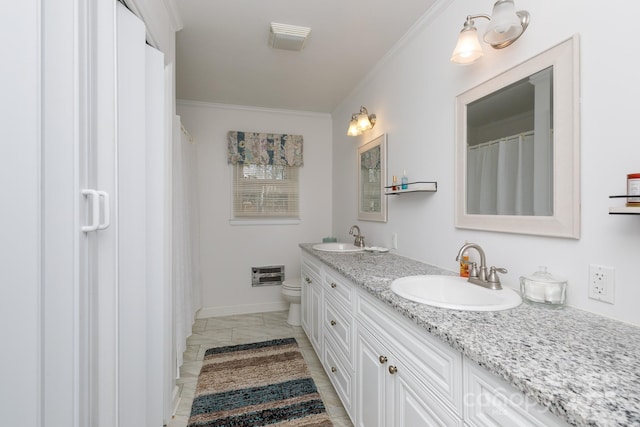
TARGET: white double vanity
(394,362)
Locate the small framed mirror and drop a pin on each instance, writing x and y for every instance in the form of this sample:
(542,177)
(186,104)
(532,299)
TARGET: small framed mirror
(517,148)
(372,176)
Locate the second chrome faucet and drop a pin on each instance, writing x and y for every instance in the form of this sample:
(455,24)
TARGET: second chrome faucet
(479,275)
(359,238)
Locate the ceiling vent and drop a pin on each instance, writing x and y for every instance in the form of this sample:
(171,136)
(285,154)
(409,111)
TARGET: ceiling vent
(288,37)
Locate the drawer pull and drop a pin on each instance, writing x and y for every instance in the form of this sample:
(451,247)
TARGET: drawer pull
(383,359)
(333,285)
(333,369)
(392,369)
(333,323)
(306,279)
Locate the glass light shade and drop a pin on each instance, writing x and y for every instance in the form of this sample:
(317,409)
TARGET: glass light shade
(353,128)
(363,122)
(505,24)
(468,48)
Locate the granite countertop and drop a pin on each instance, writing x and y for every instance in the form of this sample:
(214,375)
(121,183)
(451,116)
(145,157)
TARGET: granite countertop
(583,367)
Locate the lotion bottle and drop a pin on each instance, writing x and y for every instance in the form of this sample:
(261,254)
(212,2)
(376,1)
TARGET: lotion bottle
(405,181)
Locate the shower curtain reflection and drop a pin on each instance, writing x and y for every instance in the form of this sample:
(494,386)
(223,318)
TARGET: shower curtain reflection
(501,178)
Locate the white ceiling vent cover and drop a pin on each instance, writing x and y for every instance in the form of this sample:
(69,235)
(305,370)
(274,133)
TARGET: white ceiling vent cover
(288,37)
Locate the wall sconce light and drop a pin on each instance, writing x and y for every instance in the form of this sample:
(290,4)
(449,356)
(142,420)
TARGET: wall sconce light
(505,27)
(361,122)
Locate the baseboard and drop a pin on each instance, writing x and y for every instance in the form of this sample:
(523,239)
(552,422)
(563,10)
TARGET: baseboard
(205,312)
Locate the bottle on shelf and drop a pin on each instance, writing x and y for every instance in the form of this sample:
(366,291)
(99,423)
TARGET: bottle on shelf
(405,181)
(394,184)
(633,189)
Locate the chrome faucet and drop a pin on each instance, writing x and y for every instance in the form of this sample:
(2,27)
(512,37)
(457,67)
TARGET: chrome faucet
(480,276)
(359,238)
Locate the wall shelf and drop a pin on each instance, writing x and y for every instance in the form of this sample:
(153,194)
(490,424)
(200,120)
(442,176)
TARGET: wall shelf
(624,210)
(413,187)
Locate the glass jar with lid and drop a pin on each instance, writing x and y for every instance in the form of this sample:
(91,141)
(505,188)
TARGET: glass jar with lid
(544,288)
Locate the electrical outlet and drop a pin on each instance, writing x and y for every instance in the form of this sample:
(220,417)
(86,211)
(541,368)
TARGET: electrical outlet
(601,283)
(394,241)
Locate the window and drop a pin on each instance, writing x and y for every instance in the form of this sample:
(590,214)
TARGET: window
(265,191)
(265,176)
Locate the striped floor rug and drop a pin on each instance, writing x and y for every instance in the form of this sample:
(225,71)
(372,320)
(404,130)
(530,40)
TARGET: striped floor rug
(260,384)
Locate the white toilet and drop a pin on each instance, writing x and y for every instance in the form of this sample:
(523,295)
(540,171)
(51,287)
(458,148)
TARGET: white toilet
(291,291)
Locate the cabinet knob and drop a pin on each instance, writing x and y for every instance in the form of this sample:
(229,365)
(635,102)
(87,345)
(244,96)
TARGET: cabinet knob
(383,359)
(333,323)
(306,279)
(392,369)
(333,369)
(333,285)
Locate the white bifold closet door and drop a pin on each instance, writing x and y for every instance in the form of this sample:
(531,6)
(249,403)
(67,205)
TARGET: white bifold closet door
(85,309)
(141,221)
(129,352)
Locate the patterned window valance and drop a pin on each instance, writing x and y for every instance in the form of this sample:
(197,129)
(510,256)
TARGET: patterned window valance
(264,148)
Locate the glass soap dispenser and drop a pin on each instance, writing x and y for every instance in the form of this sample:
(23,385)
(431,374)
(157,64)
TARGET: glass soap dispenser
(544,288)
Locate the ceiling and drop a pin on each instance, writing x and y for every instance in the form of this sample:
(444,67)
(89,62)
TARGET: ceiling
(223,56)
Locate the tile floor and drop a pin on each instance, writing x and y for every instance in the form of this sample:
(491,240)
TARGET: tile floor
(241,329)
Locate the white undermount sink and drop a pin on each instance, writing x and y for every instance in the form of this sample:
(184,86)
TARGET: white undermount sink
(455,293)
(337,247)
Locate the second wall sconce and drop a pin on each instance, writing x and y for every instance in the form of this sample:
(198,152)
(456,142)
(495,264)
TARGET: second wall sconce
(361,122)
(505,27)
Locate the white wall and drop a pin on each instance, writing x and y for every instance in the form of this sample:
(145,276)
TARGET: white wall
(413,92)
(229,251)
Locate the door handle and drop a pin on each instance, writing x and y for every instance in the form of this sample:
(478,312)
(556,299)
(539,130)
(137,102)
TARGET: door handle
(93,196)
(106,207)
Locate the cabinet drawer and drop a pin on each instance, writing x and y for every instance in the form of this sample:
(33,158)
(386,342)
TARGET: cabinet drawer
(339,288)
(339,325)
(437,365)
(312,265)
(311,272)
(491,402)
(310,277)
(340,375)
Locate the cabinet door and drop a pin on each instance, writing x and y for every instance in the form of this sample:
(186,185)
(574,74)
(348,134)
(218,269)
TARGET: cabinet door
(371,365)
(411,404)
(492,402)
(436,364)
(305,307)
(312,308)
(315,322)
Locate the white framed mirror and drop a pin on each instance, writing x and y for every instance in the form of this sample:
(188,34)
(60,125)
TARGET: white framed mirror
(517,148)
(372,176)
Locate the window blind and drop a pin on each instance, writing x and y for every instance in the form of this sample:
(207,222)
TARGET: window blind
(265,191)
